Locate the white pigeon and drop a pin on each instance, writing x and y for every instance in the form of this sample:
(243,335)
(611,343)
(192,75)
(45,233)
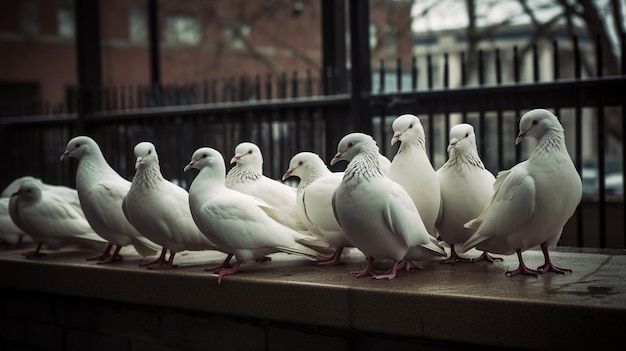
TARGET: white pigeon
(14,186)
(247,177)
(49,219)
(533,200)
(159,209)
(377,214)
(9,232)
(236,222)
(412,169)
(466,187)
(101,191)
(70,195)
(314,200)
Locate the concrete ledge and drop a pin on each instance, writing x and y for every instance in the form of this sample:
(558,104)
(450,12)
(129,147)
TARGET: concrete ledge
(464,303)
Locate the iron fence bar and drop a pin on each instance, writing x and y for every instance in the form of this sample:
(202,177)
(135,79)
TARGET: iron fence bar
(399,74)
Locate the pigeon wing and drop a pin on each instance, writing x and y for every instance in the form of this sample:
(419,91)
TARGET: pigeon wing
(511,206)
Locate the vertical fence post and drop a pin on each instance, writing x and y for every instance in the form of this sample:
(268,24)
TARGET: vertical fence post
(153,35)
(334,73)
(88,57)
(361,73)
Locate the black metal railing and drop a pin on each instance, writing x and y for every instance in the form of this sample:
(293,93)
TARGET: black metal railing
(290,114)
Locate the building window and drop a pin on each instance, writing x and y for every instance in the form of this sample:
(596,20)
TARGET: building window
(138,25)
(234,37)
(65,19)
(182,29)
(391,43)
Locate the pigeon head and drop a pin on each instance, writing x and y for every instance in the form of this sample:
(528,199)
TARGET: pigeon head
(247,154)
(79,146)
(146,154)
(29,191)
(407,127)
(462,138)
(207,158)
(351,145)
(302,164)
(536,123)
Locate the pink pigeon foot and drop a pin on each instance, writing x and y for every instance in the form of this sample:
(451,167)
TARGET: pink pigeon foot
(115,257)
(454,257)
(227,271)
(335,261)
(158,261)
(390,274)
(522,269)
(487,257)
(35,253)
(165,264)
(103,256)
(225,264)
(369,270)
(408,265)
(548,266)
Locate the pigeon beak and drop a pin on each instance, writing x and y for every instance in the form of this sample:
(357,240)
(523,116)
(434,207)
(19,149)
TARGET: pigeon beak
(338,157)
(138,162)
(520,136)
(189,166)
(452,144)
(396,137)
(65,155)
(235,158)
(287,174)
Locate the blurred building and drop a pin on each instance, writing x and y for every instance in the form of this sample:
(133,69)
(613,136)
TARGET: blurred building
(198,40)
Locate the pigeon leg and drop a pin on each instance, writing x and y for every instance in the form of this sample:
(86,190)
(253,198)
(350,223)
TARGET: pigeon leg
(487,257)
(389,274)
(36,253)
(20,239)
(335,261)
(227,271)
(408,265)
(115,257)
(548,265)
(225,264)
(158,261)
(454,257)
(165,264)
(369,270)
(522,269)
(104,256)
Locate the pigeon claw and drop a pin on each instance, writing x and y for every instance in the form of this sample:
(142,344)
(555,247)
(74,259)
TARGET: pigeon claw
(486,257)
(227,271)
(549,267)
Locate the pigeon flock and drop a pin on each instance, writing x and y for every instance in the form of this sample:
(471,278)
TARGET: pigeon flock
(402,212)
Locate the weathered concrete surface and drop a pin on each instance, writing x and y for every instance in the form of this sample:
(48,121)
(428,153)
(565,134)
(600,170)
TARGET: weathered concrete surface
(463,303)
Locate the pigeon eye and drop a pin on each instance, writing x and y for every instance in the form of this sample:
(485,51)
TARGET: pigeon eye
(250,152)
(350,144)
(149,152)
(205,155)
(410,125)
(300,163)
(78,145)
(535,122)
(466,135)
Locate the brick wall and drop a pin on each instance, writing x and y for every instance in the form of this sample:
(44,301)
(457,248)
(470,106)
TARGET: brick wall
(37,321)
